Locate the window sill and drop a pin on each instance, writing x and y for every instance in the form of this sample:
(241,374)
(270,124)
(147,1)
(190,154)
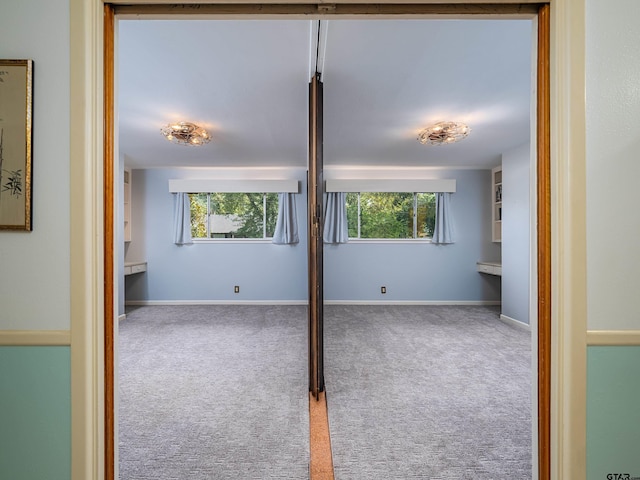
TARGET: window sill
(364,241)
(404,241)
(232,240)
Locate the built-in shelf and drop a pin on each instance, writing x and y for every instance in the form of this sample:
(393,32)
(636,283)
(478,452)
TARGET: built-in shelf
(496,204)
(131,268)
(490,268)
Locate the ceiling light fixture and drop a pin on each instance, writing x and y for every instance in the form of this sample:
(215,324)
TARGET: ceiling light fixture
(443,133)
(185,133)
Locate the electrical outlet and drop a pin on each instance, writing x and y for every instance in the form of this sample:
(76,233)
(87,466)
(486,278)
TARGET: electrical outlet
(236,289)
(383,290)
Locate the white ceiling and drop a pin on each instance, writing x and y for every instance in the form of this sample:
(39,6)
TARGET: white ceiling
(246,81)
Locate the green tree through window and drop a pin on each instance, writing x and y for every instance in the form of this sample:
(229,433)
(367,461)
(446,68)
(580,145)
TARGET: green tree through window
(199,210)
(233,215)
(426,214)
(387,215)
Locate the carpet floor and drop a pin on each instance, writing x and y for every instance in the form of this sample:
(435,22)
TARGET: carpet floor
(198,400)
(427,392)
(412,392)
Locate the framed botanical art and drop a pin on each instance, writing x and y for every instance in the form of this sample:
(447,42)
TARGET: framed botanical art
(16,80)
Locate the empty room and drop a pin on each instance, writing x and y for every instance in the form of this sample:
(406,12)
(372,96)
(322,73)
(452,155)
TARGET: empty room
(426,160)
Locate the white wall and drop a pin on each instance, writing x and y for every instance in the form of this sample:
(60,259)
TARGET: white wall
(34,284)
(613,164)
(613,233)
(35,403)
(516,247)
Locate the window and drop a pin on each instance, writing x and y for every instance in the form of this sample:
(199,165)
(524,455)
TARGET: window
(233,215)
(383,215)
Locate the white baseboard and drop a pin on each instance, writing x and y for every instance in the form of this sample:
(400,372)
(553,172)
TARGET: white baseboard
(304,302)
(413,302)
(122,317)
(515,323)
(214,302)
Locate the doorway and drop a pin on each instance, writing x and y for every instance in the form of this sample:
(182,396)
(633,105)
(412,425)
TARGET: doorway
(108,302)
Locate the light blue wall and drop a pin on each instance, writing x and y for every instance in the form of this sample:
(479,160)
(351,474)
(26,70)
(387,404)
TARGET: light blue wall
(207,271)
(613,411)
(355,271)
(35,413)
(119,238)
(516,245)
(423,272)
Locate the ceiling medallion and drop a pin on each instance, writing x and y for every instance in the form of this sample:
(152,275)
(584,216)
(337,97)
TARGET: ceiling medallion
(185,133)
(443,133)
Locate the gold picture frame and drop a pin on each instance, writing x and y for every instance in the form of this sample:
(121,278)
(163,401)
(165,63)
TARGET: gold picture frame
(16,97)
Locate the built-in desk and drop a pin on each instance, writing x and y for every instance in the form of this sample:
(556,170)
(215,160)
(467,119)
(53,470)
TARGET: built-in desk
(490,268)
(131,268)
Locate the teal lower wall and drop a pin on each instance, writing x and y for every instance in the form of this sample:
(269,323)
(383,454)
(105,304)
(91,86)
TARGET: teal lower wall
(613,413)
(35,413)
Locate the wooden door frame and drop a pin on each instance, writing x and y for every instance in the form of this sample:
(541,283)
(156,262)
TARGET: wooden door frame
(109,242)
(544,253)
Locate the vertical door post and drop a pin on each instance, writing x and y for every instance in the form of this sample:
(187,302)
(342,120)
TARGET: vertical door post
(315,223)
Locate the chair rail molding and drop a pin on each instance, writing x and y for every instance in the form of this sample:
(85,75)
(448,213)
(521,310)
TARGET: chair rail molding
(620,338)
(33,338)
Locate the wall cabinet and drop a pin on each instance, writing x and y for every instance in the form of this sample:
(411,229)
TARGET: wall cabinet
(127,204)
(496,204)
